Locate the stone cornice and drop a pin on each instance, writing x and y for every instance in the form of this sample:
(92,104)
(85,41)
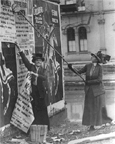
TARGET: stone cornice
(66,14)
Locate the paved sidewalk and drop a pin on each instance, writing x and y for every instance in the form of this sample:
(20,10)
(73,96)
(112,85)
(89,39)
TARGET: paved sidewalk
(65,132)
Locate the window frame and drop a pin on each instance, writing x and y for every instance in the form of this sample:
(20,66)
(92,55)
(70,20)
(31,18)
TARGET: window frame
(84,38)
(71,38)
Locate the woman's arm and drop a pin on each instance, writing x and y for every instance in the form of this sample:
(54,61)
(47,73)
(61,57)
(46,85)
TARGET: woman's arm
(24,58)
(82,70)
(41,76)
(25,61)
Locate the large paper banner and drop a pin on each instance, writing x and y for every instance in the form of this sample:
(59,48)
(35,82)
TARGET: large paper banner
(22,26)
(23,116)
(47,21)
(25,37)
(24,31)
(7,22)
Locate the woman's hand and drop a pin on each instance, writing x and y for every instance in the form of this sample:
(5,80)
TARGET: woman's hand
(70,66)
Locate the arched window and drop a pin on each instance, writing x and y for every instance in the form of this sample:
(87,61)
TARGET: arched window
(71,40)
(82,39)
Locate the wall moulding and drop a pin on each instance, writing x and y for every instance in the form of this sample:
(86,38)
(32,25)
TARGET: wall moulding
(76,28)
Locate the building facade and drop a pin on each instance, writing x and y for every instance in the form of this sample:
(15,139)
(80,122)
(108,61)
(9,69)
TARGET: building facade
(87,26)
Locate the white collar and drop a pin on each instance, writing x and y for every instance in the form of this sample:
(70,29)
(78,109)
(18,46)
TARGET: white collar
(94,64)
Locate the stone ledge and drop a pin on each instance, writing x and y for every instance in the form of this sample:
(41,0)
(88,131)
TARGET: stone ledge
(73,84)
(91,140)
(106,77)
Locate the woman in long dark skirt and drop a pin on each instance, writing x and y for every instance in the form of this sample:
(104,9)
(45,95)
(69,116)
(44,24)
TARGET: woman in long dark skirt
(38,90)
(95,113)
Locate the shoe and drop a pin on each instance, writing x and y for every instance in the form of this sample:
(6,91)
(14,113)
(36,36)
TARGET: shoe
(113,122)
(91,128)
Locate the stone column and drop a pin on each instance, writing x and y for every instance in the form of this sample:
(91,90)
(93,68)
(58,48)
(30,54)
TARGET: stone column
(101,22)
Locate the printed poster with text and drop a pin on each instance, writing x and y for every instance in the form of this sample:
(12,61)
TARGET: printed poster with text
(7,22)
(22,116)
(25,38)
(47,22)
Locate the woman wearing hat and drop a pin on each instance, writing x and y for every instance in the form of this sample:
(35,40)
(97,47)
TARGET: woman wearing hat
(38,89)
(94,104)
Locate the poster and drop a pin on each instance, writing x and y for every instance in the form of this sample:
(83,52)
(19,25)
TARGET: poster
(7,65)
(13,27)
(47,22)
(23,116)
(25,38)
(22,26)
(7,22)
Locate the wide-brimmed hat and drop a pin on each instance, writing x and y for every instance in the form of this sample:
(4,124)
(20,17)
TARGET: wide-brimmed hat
(102,58)
(37,56)
(97,56)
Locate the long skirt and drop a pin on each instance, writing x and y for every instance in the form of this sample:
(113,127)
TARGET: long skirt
(41,117)
(94,110)
(39,109)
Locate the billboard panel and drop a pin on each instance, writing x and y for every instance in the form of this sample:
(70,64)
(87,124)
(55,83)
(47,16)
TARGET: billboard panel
(47,22)
(13,27)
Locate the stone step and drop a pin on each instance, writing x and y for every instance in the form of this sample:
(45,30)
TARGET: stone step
(107,69)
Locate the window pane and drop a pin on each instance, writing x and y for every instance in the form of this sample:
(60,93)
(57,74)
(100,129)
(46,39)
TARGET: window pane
(71,39)
(83,39)
(70,34)
(82,33)
(74,46)
(71,46)
(83,45)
